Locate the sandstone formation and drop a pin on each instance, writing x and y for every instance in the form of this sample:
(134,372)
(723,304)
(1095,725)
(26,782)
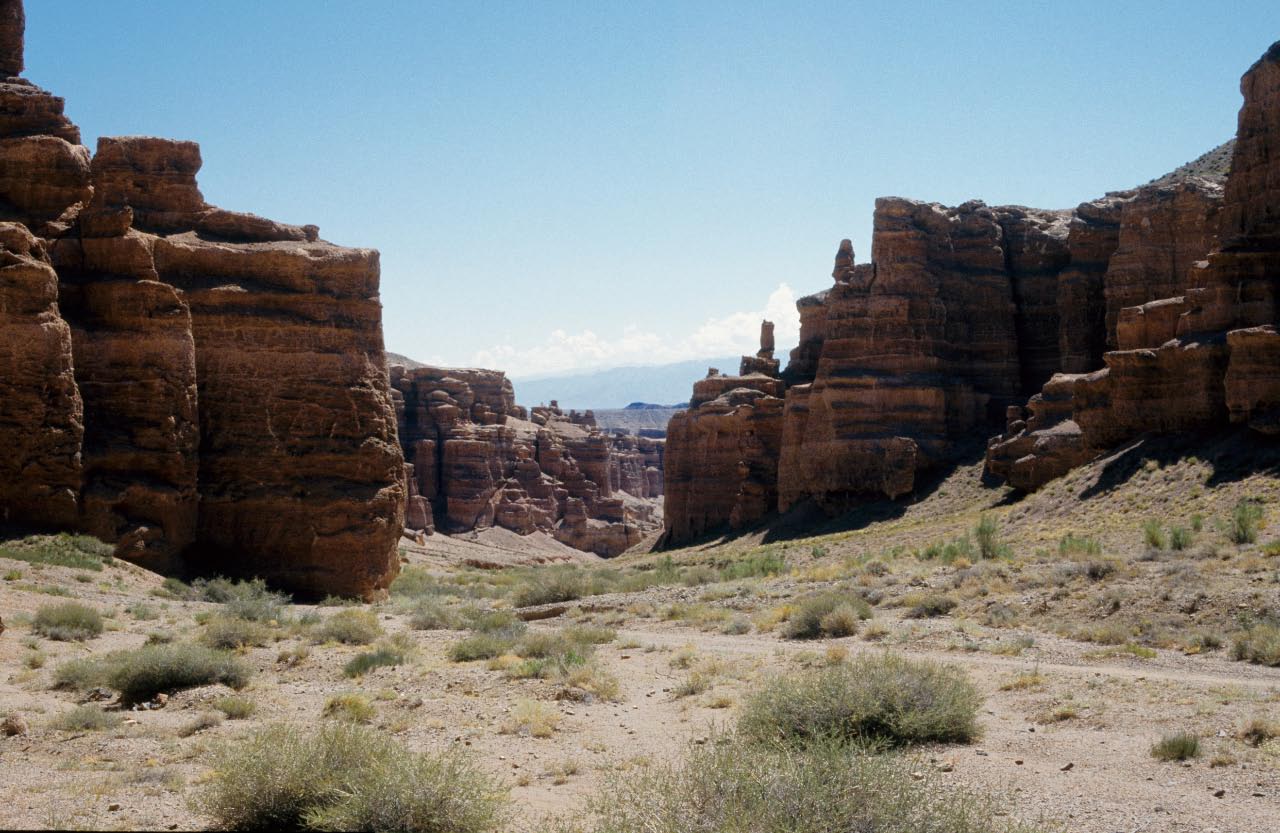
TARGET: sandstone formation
(1151,310)
(1191,309)
(478,460)
(205,388)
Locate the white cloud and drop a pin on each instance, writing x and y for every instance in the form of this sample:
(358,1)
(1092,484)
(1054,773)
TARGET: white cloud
(734,334)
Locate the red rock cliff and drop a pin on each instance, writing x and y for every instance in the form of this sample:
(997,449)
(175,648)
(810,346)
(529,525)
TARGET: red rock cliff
(965,312)
(203,387)
(478,460)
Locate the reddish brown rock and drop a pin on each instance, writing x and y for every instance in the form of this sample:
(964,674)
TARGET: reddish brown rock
(480,461)
(721,463)
(41,413)
(194,384)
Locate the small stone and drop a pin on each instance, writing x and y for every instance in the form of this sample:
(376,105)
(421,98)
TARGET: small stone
(1068,767)
(1219,793)
(1018,762)
(917,776)
(113,807)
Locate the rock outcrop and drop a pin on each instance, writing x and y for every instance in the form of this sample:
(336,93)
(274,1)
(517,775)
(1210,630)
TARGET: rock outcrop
(205,388)
(1147,310)
(1191,311)
(478,460)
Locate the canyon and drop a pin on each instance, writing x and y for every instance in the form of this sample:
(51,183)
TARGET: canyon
(477,460)
(1145,312)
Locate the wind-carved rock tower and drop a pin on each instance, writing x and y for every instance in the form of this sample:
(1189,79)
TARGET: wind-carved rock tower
(205,388)
(1151,310)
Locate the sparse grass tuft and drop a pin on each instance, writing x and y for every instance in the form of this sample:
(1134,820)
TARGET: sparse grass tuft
(1243,526)
(529,717)
(229,633)
(831,614)
(733,785)
(1153,534)
(86,718)
(1179,747)
(346,777)
(235,707)
(362,664)
(550,585)
(872,699)
(351,707)
(67,622)
(350,627)
(1259,730)
(1259,643)
(927,605)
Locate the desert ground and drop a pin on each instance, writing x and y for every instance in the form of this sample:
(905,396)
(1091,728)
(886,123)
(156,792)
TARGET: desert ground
(1115,608)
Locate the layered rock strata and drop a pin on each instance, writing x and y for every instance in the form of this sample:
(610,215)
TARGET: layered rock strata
(203,387)
(478,460)
(1148,310)
(1191,311)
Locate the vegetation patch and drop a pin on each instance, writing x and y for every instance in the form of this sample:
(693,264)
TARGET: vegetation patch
(732,785)
(346,777)
(829,615)
(884,699)
(1179,747)
(350,627)
(81,552)
(86,718)
(67,622)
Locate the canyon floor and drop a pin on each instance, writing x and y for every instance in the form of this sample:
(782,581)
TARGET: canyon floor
(1088,633)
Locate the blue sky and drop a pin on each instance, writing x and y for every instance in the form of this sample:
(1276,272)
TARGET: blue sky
(563,185)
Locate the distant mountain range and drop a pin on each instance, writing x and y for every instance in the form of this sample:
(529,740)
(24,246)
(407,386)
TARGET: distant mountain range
(661,384)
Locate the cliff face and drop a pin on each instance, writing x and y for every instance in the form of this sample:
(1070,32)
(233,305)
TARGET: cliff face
(1149,310)
(1192,296)
(478,460)
(205,388)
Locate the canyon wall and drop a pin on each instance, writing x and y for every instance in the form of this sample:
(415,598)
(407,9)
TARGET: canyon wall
(477,460)
(1150,310)
(205,388)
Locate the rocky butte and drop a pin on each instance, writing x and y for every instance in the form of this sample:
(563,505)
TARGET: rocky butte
(205,388)
(1147,311)
(477,460)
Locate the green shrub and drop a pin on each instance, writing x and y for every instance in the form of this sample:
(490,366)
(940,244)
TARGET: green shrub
(730,785)
(432,615)
(351,707)
(1243,528)
(235,707)
(1179,747)
(142,612)
(86,718)
(362,664)
(80,674)
(350,626)
(345,777)
(767,563)
(229,633)
(1180,538)
(1153,534)
(830,614)
(928,606)
(496,621)
(871,699)
(250,600)
(78,551)
(550,585)
(948,552)
(481,646)
(589,634)
(987,534)
(1075,545)
(1259,644)
(68,622)
(142,673)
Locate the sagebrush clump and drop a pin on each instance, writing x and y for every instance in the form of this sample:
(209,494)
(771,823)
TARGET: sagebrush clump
(67,622)
(346,777)
(881,699)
